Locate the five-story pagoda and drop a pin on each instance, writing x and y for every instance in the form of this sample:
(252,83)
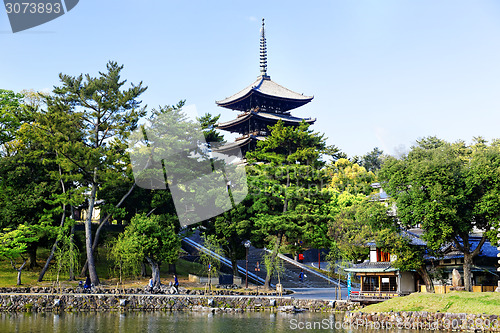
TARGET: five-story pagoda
(262,104)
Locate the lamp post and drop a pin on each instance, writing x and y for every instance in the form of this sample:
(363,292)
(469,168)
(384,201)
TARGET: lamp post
(247,245)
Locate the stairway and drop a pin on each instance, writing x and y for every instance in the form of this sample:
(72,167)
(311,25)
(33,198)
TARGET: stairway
(289,278)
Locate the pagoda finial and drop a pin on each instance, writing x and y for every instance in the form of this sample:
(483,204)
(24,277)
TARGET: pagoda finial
(263,51)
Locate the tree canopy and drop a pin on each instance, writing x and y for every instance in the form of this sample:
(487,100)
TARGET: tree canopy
(450,190)
(150,238)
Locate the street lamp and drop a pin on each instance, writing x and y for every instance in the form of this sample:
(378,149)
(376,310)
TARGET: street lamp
(247,245)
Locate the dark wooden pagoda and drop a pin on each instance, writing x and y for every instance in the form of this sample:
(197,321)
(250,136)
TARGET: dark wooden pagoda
(261,104)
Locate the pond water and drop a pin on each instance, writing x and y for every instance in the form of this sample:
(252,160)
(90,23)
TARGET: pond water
(258,322)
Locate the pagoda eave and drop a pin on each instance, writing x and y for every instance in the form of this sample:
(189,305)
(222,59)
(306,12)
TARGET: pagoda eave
(238,148)
(239,124)
(267,95)
(265,103)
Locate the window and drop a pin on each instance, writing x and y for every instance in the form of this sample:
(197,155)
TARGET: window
(389,284)
(370,283)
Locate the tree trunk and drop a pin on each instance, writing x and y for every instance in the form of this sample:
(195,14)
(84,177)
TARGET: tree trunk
(467,271)
(267,282)
(234,265)
(71,245)
(32,247)
(172,269)
(88,235)
(143,269)
(54,247)
(47,263)
(468,256)
(19,270)
(101,224)
(429,285)
(155,271)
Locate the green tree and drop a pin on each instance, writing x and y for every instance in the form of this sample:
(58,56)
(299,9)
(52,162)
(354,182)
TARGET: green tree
(107,114)
(285,171)
(231,229)
(350,177)
(27,189)
(207,259)
(372,161)
(127,254)
(14,244)
(410,255)
(273,263)
(148,238)
(66,253)
(353,222)
(55,130)
(12,115)
(449,189)
(209,126)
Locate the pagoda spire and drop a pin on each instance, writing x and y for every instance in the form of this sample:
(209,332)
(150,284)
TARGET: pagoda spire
(263,51)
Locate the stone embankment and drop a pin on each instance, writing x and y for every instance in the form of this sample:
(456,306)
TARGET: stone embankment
(70,302)
(163,291)
(420,320)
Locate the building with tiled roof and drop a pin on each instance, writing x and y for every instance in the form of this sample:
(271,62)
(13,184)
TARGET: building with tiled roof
(262,104)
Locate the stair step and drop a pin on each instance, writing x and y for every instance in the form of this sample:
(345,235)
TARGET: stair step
(290,277)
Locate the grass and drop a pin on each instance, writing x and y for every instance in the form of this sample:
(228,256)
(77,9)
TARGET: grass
(184,268)
(8,276)
(455,302)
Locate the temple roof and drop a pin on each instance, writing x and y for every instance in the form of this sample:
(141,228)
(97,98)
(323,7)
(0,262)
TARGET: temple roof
(234,148)
(372,267)
(266,95)
(266,117)
(449,251)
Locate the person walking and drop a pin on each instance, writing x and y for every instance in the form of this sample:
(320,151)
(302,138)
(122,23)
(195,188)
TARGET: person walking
(176,283)
(301,275)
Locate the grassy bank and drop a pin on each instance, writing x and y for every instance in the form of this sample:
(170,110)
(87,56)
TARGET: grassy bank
(455,302)
(8,276)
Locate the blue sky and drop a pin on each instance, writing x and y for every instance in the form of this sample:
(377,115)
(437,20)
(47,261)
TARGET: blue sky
(383,73)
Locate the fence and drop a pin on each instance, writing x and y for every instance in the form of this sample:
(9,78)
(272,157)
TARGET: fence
(447,289)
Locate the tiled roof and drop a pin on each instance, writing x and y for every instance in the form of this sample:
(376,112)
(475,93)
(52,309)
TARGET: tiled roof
(410,236)
(285,118)
(372,267)
(413,238)
(265,115)
(266,86)
(450,252)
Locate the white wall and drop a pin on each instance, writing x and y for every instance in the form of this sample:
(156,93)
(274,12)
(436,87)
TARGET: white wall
(373,254)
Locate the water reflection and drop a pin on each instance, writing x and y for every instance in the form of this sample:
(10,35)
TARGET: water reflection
(197,322)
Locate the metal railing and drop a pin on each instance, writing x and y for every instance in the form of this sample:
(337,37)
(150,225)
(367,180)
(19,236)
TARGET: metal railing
(310,270)
(223,260)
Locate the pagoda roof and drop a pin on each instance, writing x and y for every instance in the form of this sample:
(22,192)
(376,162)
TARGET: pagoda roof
(266,117)
(234,148)
(266,95)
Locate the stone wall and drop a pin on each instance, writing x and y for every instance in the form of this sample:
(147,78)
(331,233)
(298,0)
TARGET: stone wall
(40,302)
(423,321)
(226,290)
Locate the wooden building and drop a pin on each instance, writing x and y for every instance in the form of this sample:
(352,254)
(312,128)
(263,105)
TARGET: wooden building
(262,104)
